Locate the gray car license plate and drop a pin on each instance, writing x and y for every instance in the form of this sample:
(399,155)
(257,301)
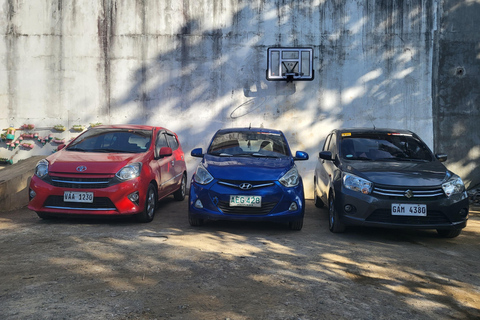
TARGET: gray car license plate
(403,209)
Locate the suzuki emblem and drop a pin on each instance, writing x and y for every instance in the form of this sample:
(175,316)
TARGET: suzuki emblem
(81,168)
(245,186)
(408,193)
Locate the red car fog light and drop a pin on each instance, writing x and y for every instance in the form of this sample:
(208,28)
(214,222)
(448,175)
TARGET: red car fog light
(32,194)
(134,197)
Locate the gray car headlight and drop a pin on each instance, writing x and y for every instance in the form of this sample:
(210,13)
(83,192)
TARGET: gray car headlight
(130,171)
(291,178)
(41,170)
(453,186)
(202,175)
(352,182)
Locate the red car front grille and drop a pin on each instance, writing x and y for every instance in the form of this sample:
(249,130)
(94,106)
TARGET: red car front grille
(99,203)
(81,183)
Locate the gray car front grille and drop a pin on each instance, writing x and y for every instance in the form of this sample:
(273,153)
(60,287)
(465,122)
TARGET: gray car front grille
(408,192)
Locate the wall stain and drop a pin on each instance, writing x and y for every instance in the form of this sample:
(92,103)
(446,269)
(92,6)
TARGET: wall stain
(105,28)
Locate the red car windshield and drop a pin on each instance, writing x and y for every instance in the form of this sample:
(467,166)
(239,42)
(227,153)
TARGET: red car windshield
(384,147)
(112,140)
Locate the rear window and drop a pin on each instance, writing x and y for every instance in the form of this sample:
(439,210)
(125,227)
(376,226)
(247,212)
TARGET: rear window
(384,147)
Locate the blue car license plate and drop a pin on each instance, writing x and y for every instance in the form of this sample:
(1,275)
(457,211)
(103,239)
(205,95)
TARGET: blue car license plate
(245,201)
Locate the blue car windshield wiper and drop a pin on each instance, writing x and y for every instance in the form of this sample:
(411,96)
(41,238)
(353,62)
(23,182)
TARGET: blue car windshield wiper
(261,155)
(221,154)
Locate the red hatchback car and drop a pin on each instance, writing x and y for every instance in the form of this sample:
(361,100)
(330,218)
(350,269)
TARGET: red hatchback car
(110,170)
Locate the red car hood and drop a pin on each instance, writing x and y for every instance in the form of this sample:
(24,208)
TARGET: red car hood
(95,163)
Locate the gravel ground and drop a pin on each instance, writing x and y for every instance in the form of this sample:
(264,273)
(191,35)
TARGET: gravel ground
(120,269)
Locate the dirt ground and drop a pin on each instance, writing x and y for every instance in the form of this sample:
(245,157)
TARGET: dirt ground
(121,269)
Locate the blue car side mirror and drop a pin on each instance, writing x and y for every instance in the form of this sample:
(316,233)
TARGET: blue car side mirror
(301,155)
(197,153)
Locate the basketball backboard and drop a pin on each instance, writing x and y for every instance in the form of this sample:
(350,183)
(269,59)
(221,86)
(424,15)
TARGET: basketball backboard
(290,64)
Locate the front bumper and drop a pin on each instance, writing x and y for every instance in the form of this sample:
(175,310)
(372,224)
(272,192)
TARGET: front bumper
(375,211)
(112,200)
(276,203)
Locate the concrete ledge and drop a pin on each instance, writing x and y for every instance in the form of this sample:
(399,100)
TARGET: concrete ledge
(14,181)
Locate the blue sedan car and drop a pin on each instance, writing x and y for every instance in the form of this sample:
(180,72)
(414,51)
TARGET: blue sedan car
(247,174)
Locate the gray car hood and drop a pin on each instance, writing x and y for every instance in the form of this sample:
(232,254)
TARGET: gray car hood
(399,173)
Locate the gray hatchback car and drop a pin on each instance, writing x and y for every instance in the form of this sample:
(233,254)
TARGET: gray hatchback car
(388,178)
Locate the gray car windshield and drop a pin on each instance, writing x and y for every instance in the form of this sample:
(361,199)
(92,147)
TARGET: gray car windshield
(112,140)
(249,144)
(384,147)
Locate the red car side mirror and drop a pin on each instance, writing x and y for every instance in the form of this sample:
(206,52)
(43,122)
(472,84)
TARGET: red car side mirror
(165,152)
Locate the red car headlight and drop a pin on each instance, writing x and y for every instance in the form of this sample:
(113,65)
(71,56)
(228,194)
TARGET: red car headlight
(130,171)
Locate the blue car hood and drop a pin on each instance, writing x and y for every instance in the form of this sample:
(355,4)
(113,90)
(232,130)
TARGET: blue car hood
(400,173)
(247,168)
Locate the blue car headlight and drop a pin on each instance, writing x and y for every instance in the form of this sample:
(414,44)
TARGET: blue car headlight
(202,176)
(352,182)
(291,178)
(453,186)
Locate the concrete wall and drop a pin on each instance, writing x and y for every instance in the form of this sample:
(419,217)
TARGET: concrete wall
(457,88)
(197,66)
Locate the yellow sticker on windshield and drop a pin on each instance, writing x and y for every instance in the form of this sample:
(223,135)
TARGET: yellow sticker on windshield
(346,134)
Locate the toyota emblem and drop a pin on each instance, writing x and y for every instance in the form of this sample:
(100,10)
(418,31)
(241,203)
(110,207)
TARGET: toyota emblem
(245,186)
(408,193)
(81,168)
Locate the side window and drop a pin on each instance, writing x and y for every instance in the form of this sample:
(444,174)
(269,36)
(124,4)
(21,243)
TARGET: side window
(172,141)
(333,146)
(161,142)
(327,141)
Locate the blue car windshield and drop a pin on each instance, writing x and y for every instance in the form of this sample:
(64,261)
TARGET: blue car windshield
(112,140)
(384,147)
(249,143)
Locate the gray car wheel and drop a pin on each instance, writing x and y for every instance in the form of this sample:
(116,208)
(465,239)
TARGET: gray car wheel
(334,223)
(449,233)
(318,202)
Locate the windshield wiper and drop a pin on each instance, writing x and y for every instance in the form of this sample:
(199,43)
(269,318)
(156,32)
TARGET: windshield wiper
(410,159)
(77,149)
(110,150)
(261,155)
(221,154)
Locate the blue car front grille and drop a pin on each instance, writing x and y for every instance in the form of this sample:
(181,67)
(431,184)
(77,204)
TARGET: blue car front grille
(266,207)
(238,183)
